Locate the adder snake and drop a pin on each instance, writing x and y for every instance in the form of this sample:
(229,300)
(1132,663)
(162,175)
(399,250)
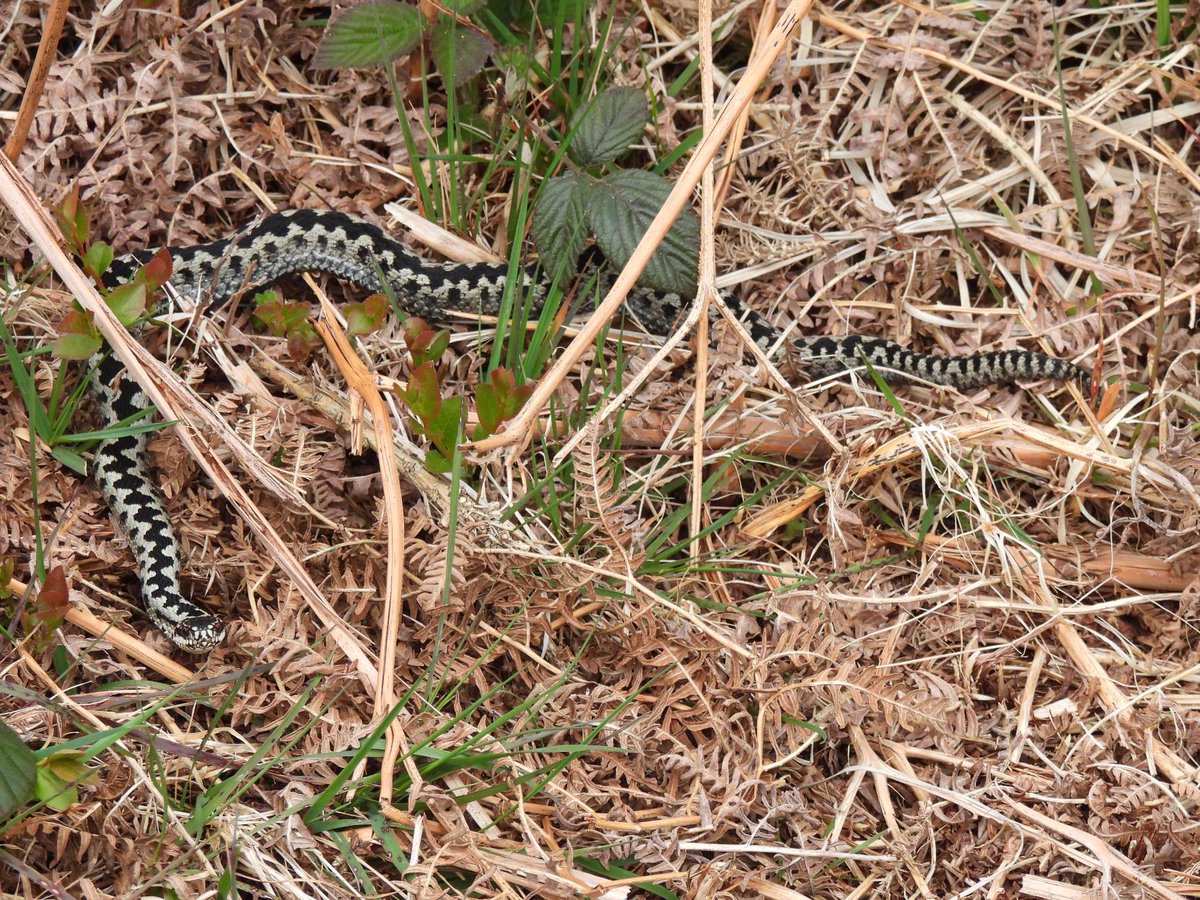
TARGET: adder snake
(338,244)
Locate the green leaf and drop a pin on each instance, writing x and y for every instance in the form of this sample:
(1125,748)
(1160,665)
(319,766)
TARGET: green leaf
(459,51)
(53,791)
(436,463)
(69,765)
(620,206)
(605,128)
(439,344)
(57,776)
(73,219)
(443,427)
(559,228)
(76,346)
(98,257)
(79,338)
(367,316)
(424,393)
(18,772)
(127,301)
(371,34)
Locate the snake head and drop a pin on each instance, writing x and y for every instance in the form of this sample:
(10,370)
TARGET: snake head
(196,633)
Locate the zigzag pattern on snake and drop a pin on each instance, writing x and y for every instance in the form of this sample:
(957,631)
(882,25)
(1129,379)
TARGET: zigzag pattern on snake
(312,241)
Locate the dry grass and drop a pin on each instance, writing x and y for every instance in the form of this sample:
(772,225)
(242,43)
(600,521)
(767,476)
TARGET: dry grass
(953,650)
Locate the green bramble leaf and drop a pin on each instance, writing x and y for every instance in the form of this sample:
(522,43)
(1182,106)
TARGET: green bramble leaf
(371,34)
(619,208)
(604,129)
(459,51)
(559,228)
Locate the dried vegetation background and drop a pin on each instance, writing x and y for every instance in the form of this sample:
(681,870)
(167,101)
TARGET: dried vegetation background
(956,652)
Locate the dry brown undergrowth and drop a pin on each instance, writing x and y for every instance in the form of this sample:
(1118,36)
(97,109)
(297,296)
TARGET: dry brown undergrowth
(1010,704)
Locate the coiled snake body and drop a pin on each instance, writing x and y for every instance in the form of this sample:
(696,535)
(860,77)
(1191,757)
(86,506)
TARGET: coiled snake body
(338,244)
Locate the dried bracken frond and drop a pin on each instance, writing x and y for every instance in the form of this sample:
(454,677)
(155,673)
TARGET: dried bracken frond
(600,494)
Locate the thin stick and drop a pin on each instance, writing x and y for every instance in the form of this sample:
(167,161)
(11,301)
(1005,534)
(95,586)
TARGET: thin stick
(707,285)
(56,16)
(360,380)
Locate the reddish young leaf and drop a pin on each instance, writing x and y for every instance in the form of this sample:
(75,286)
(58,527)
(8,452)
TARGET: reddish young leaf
(73,220)
(488,408)
(157,269)
(412,328)
(78,337)
(366,317)
(302,340)
(52,601)
(424,393)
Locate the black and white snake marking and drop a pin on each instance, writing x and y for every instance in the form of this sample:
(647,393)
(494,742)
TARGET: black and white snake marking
(338,244)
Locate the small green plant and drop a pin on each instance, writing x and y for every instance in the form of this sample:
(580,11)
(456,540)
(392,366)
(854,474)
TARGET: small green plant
(79,339)
(366,316)
(615,207)
(78,336)
(51,775)
(290,319)
(440,418)
(59,773)
(46,609)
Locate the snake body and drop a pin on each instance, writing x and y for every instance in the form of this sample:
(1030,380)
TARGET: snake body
(313,241)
